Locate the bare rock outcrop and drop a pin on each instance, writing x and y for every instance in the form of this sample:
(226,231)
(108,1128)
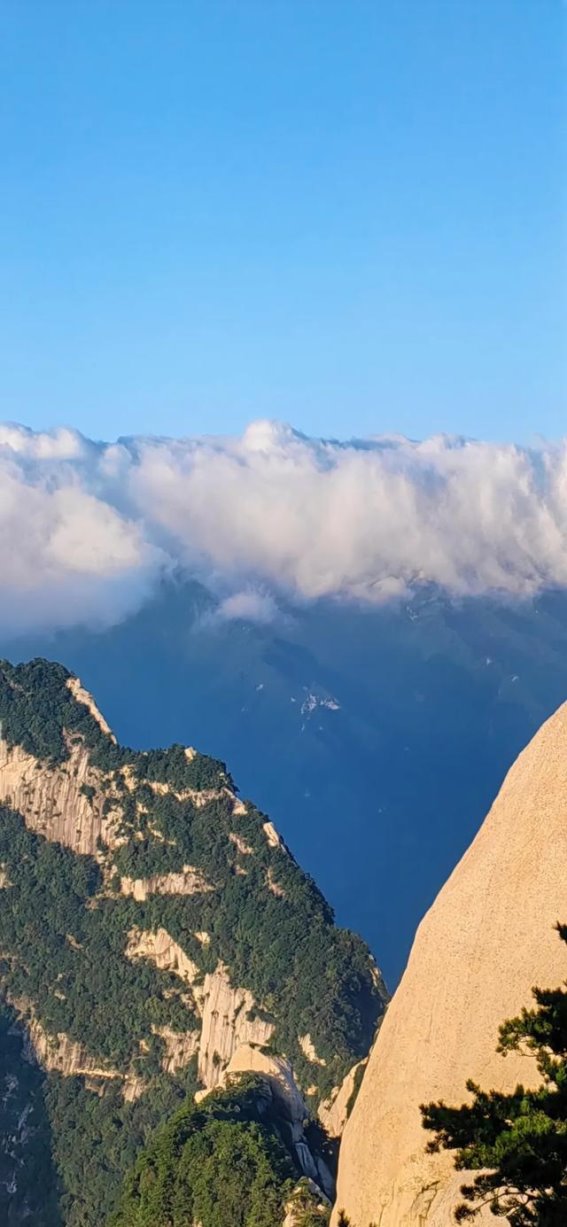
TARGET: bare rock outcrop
(334,1111)
(308,1049)
(64,803)
(488,938)
(79,693)
(277,1072)
(189,881)
(227,1014)
(158,946)
(228,1019)
(180,1047)
(250,1058)
(70,1058)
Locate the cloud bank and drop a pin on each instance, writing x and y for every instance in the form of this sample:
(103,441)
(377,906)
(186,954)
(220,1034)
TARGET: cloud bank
(87,529)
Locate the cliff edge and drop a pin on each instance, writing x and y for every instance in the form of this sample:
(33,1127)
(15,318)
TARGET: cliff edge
(488,938)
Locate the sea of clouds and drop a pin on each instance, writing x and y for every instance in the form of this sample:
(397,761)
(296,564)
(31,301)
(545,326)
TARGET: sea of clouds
(87,529)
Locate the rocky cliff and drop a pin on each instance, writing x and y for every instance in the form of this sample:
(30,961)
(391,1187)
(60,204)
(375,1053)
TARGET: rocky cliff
(152,925)
(488,938)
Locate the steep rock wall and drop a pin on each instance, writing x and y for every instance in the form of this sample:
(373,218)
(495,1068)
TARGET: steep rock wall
(488,938)
(51,801)
(226,1013)
(180,1047)
(334,1112)
(227,1022)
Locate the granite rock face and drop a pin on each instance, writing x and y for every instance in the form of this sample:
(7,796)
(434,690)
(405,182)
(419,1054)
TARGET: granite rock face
(487,940)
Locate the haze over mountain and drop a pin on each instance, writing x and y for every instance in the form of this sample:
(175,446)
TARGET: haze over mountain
(262,600)
(374,738)
(376,627)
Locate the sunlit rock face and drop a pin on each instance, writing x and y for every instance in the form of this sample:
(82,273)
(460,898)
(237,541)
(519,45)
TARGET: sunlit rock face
(488,938)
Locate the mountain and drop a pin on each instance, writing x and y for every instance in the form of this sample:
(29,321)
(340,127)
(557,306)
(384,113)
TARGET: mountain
(153,926)
(374,736)
(488,939)
(223,1163)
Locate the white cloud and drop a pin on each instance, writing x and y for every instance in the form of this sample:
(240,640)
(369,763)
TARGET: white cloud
(86,528)
(67,556)
(250,605)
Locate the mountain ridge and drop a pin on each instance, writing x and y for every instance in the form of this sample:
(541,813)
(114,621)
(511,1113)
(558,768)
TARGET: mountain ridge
(157,884)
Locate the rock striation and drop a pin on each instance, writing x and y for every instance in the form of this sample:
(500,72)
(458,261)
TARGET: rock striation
(64,804)
(227,1014)
(488,938)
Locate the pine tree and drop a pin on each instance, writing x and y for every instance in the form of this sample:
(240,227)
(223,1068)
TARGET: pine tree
(517,1142)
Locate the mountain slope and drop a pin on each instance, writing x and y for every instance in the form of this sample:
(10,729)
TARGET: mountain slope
(223,1163)
(372,735)
(489,937)
(151,923)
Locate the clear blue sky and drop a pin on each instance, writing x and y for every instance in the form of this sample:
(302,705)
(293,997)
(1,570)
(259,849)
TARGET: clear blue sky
(346,214)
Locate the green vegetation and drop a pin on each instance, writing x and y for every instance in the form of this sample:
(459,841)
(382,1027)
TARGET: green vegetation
(221,1164)
(74,972)
(96,1138)
(74,977)
(39,713)
(283,947)
(521,1138)
(64,931)
(175,768)
(36,707)
(307,1208)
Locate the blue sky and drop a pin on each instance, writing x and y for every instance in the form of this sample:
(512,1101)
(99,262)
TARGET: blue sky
(347,215)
